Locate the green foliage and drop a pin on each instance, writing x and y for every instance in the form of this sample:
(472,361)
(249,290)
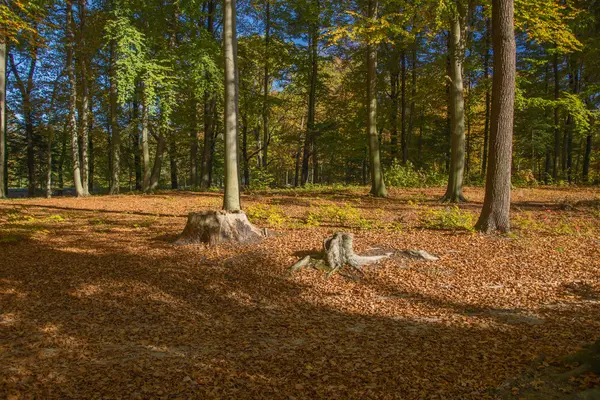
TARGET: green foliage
(344,215)
(269,214)
(398,175)
(451,218)
(261,179)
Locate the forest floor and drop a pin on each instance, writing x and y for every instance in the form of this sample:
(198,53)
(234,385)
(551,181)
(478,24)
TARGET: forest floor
(96,301)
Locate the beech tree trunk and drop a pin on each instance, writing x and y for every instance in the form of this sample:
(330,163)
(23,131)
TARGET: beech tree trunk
(457,107)
(3,184)
(495,215)
(26,87)
(377,183)
(402,106)
(557,147)
(115,143)
(486,72)
(85,108)
(231,198)
(72,119)
(309,139)
(194,145)
(146,172)
(266,84)
(158,159)
(209,120)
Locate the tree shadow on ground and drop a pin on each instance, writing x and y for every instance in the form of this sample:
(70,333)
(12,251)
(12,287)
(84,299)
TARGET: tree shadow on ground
(109,318)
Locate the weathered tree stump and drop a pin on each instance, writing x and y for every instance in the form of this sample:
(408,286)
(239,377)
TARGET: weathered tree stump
(216,227)
(338,252)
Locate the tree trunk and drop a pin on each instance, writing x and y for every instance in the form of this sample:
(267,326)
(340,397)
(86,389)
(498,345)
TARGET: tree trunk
(377,182)
(402,108)
(557,147)
(3,155)
(173,163)
(72,118)
(158,159)
(486,72)
(209,121)
(245,160)
(194,145)
(394,92)
(266,83)
(586,158)
(216,227)
(231,198)
(49,163)
(84,102)
(496,206)
(413,95)
(457,108)
(309,140)
(146,172)
(115,148)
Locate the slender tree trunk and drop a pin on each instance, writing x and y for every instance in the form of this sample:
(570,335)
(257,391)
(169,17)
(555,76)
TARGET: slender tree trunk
(555,159)
(84,101)
(194,145)
(114,125)
(403,109)
(298,153)
(486,72)
(209,120)
(173,164)
(457,108)
(394,92)
(413,95)
(49,163)
(377,182)
(266,84)
(496,205)
(146,172)
(586,158)
(245,160)
(77,182)
(3,155)
(158,160)
(309,140)
(231,198)
(61,160)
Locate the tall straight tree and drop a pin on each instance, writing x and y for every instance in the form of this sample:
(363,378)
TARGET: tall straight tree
(377,183)
(72,119)
(231,198)
(85,106)
(457,104)
(496,206)
(309,139)
(3,49)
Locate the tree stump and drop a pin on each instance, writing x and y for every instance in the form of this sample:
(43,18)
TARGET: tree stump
(216,227)
(338,252)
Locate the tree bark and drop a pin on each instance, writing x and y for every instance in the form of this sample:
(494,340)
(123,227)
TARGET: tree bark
(146,172)
(231,198)
(377,182)
(486,72)
(457,107)
(266,85)
(158,159)
(309,140)
(194,144)
(557,147)
(84,102)
(209,120)
(72,118)
(403,109)
(496,206)
(3,155)
(114,125)
(26,87)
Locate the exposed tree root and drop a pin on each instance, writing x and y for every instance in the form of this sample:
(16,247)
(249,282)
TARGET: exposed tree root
(337,253)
